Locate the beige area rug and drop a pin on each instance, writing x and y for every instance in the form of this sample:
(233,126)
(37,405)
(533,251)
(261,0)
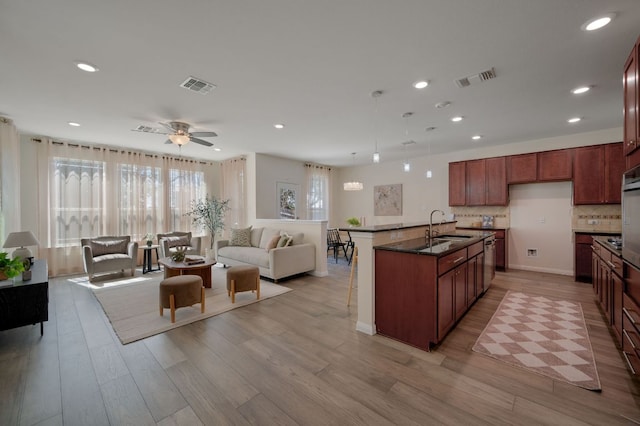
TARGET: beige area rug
(543,335)
(131,304)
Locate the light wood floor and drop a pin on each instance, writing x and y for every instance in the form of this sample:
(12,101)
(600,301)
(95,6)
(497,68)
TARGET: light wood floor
(294,359)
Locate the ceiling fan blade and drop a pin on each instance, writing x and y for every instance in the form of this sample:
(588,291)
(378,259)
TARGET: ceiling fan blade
(200,141)
(204,134)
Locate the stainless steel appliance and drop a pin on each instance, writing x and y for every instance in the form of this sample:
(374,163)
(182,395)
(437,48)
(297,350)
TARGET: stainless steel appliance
(489,261)
(631,216)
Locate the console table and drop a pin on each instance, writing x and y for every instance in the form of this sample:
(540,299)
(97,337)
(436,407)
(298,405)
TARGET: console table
(25,302)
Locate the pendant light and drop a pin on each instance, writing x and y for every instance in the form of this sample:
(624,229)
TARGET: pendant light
(428,174)
(353,185)
(376,155)
(406,165)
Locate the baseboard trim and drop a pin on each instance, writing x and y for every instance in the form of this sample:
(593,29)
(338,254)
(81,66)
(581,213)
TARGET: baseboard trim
(545,270)
(365,328)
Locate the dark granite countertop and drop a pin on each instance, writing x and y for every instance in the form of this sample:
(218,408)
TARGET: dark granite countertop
(480,228)
(391,226)
(420,245)
(616,250)
(595,232)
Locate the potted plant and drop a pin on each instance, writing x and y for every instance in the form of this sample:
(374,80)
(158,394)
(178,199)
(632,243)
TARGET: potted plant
(10,268)
(149,238)
(208,214)
(353,221)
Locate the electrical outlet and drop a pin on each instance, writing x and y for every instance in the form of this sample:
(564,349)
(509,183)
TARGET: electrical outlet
(532,252)
(593,221)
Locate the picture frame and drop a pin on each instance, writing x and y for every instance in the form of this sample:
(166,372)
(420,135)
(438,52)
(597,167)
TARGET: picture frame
(287,200)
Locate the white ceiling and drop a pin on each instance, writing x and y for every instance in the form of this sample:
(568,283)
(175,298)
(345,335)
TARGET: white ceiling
(312,66)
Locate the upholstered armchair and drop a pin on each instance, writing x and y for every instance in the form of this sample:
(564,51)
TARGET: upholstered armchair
(109,254)
(168,243)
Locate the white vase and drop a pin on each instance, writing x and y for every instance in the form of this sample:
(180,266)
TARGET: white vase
(209,253)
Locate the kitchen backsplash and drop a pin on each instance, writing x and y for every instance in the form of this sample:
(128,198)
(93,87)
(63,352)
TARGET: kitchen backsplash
(588,218)
(597,218)
(472,216)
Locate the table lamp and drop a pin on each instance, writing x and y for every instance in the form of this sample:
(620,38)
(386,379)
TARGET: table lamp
(21,239)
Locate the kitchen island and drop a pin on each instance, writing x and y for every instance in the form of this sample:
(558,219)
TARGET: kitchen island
(423,287)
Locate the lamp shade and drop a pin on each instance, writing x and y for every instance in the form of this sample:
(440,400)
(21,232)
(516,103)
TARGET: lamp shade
(21,239)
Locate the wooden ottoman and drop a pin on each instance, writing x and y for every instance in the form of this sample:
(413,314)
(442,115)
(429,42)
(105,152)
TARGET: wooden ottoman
(181,291)
(243,278)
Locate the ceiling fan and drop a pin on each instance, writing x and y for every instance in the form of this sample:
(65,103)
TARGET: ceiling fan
(180,134)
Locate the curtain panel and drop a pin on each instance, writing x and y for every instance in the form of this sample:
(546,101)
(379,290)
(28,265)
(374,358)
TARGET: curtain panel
(233,188)
(9,183)
(317,187)
(87,191)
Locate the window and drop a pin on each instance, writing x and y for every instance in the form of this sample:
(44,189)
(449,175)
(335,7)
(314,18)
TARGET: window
(317,189)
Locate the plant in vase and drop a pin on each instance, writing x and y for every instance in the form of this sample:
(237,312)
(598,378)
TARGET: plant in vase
(353,221)
(208,214)
(179,254)
(10,268)
(149,238)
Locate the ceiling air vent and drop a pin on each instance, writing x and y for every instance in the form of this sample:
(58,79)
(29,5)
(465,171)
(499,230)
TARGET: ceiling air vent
(197,85)
(476,78)
(147,129)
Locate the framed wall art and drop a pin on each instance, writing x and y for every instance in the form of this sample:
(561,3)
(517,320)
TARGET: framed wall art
(387,200)
(287,194)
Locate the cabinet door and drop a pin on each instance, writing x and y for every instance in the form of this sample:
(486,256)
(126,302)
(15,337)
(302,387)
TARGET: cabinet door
(595,274)
(446,309)
(616,305)
(500,254)
(457,184)
(555,165)
(630,89)
(522,168)
(605,289)
(613,171)
(496,181)
(588,181)
(460,292)
(480,275)
(472,280)
(476,183)
(583,252)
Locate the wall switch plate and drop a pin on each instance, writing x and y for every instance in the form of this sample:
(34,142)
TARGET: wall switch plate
(592,221)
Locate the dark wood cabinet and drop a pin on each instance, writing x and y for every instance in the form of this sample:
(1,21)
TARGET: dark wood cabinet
(25,302)
(502,257)
(497,191)
(457,184)
(598,173)
(617,289)
(588,173)
(460,292)
(555,165)
(522,168)
(446,303)
(608,285)
(630,90)
(583,258)
(476,183)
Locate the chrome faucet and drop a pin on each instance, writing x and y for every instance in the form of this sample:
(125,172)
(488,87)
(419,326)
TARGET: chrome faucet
(431,223)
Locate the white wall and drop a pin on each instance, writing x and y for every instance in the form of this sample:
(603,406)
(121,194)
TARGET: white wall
(541,220)
(269,171)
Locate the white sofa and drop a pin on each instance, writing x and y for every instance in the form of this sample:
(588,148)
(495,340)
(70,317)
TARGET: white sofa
(109,254)
(274,263)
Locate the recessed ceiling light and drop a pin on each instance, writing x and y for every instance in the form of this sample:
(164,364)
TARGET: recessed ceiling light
(597,23)
(421,84)
(74,124)
(85,66)
(457,118)
(279,126)
(579,90)
(574,120)
(476,137)
(217,149)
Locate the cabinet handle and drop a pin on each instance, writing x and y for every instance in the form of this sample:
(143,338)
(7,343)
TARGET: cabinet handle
(628,314)
(613,266)
(594,248)
(458,259)
(626,358)
(629,339)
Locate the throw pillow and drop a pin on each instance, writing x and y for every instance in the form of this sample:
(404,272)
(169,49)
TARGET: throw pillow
(256,235)
(241,237)
(99,248)
(273,243)
(178,241)
(267,235)
(284,241)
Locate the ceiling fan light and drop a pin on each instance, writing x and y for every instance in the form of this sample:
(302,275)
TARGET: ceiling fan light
(376,157)
(179,139)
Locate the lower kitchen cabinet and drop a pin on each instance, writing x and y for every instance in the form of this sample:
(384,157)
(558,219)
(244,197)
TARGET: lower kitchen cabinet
(582,258)
(419,298)
(502,251)
(608,285)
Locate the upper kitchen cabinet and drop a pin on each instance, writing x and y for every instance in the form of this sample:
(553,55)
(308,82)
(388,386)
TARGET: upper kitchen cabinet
(631,105)
(522,168)
(555,165)
(598,174)
(487,182)
(457,184)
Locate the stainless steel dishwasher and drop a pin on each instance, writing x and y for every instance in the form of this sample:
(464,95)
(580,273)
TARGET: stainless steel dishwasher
(489,261)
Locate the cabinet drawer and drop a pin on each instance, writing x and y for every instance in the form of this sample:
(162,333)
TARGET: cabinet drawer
(475,249)
(630,337)
(584,239)
(630,312)
(616,265)
(632,362)
(500,233)
(452,260)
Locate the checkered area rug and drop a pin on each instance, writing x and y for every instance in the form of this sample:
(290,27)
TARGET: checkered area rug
(543,335)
